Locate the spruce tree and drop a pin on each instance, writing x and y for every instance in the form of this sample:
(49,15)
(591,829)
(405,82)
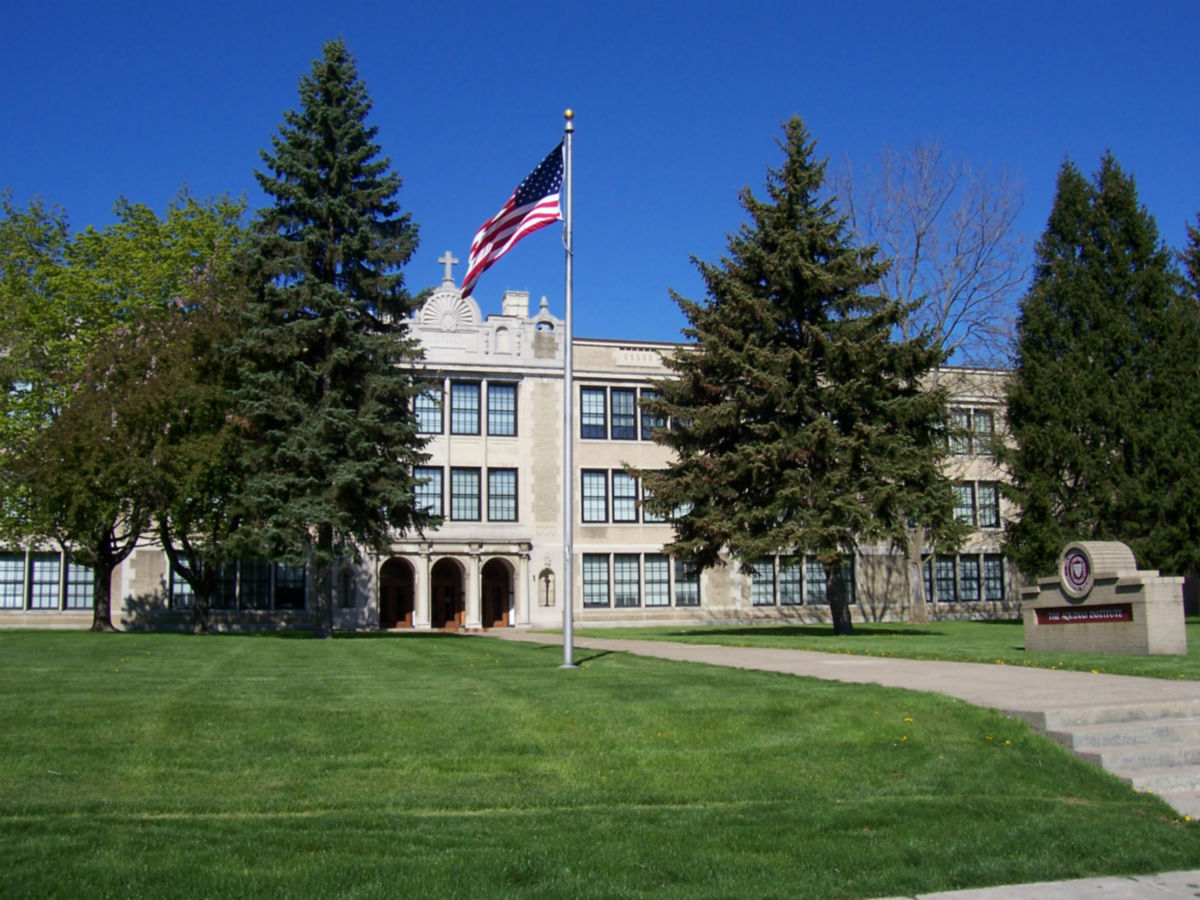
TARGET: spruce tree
(801,424)
(1102,405)
(326,384)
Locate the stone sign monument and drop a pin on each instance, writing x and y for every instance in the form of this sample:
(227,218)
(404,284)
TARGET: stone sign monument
(1099,602)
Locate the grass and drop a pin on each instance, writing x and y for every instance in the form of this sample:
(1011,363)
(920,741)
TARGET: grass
(958,641)
(155,765)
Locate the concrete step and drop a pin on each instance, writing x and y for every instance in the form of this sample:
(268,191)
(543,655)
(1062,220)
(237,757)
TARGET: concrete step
(1186,802)
(1122,734)
(1106,713)
(1162,780)
(1142,756)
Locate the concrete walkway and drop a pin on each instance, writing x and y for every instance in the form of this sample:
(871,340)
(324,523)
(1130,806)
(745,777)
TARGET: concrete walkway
(1034,695)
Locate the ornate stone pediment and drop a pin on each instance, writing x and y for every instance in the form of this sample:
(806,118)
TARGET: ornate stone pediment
(448,310)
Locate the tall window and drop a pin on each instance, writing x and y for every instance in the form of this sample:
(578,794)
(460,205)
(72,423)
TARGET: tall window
(624,488)
(687,584)
(464,495)
(181,595)
(595,579)
(594,484)
(943,579)
(658,579)
(968,578)
(502,495)
(983,431)
(12,580)
(648,515)
(43,580)
(650,422)
(989,505)
(960,432)
(428,407)
(964,503)
(993,577)
(626,577)
(790,593)
(464,407)
(592,412)
(254,584)
(81,585)
(762,583)
(289,586)
(502,409)
(428,490)
(624,414)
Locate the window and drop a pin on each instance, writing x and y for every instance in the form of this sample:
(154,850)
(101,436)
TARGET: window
(624,490)
(12,580)
(502,409)
(762,583)
(289,586)
(592,411)
(502,495)
(43,580)
(250,584)
(687,584)
(464,407)
(964,503)
(179,593)
(650,421)
(993,577)
(427,493)
(254,584)
(81,585)
(658,579)
(968,578)
(464,495)
(648,515)
(983,432)
(595,495)
(989,505)
(428,408)
(624,414)
(818,585)
(972,431)
(626,577)
(595,579)
(789,584)
(944,587)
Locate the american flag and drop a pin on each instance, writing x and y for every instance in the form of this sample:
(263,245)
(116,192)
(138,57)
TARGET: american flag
(533,205)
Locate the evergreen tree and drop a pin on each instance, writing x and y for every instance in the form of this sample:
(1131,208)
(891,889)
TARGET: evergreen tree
(800,423)
(1103,403)
(326,387)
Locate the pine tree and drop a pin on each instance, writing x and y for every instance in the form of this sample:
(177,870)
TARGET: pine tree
(1101,405)
(326,384)
(801,424)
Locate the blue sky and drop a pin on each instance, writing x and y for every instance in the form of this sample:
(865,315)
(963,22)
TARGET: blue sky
(678,105)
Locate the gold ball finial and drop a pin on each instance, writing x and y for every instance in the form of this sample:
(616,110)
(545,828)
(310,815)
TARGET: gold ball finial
(569,114)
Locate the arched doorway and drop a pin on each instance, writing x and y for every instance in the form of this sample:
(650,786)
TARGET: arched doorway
(496,590)
(446,595)
(396,594)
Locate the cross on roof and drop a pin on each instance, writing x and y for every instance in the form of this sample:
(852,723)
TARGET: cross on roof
(448,261)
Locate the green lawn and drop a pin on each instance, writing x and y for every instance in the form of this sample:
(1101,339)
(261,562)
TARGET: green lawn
(153,765)
(1000,642)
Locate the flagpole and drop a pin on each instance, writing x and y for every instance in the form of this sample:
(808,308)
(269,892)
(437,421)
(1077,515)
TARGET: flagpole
(568,477)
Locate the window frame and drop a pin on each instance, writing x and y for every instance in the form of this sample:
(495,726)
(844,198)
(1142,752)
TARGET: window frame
(494,496)
(464,416)
(462,500)
(499,415)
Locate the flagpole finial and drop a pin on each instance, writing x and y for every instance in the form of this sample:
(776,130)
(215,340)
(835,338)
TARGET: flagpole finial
(569,115)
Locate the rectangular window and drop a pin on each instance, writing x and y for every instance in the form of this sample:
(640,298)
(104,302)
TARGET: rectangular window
(227,587)
(658,579)
(502,409)
(984,432)
(814,577)
(254,585)
(687,584)
(12,580)
(428,407)
(464,495)
(989,505)
(993,577)
(464,407)
(502,495)
(624,490)
(960,432)
(964,503)
(624,414)
(762,583)
(789,584)
(595,579)
(427,492)
(44,572)
(289,586)
(181,595)
(943,580)
(626,580)
(592,412)
(650,422)
(648,515)
(968,578)
(595,495)
(81,585)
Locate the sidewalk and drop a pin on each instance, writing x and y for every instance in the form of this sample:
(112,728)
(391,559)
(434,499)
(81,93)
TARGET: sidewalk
(1019,691)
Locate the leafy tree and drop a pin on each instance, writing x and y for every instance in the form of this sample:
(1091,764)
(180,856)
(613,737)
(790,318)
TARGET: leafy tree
(1103,405)
(804,425)
(326,383)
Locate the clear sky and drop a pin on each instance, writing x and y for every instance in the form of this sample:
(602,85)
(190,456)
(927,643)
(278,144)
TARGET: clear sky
(678,105)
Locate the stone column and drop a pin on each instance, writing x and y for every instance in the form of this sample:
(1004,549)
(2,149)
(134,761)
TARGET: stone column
(422,585)
(474,575)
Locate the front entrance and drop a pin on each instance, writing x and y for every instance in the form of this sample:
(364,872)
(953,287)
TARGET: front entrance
(396,594)
(496,590)
(446,609)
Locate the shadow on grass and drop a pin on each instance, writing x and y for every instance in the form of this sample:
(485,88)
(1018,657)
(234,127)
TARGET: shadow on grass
(821,630)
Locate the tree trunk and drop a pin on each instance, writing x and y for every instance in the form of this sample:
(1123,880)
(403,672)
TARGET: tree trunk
(839,598)
(102,599)
(918,610)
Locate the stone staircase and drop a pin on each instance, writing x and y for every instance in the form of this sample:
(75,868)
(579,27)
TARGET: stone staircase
(1153,746)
